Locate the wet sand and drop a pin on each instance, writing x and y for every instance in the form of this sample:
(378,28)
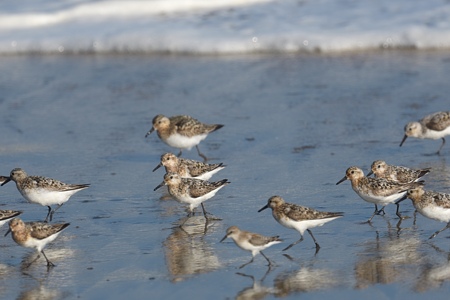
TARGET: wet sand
(293,124)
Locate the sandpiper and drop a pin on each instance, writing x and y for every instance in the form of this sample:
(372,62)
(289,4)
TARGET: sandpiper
(377,190)
(190,190)
(434,126)
(299,217)
(396,173)
(44,191)
(35,235)
(182,132)
(251,242)
(431,204)
(188,168)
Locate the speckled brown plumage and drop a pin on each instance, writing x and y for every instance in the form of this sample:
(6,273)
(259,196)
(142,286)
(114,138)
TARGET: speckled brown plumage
(396,173)
(187,167)
(433,205)
(191,190)
(434,126)
(298,217)
(182,132)
(35,234)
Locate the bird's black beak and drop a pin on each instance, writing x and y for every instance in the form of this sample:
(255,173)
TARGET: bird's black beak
(404,139)
(149,132)
(157,167)
(403,198)
(342,180)
(160,185)
(263,208)
(223,239)
(8,179)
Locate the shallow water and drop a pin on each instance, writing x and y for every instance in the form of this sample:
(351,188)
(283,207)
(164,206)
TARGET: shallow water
(293,124)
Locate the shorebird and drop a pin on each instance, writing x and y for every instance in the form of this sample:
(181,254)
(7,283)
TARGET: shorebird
(188,168)
(399,174)
(182,132)
(377,190)
(251,242)
(299,217)
(431,204)
(434,126)
(190,190)
(42,190)
(35,235)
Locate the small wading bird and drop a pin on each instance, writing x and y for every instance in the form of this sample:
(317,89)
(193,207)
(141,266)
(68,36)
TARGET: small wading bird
(35,235)
(190,190)
(188,168)
(434,126)
(251,242)
(42,190)
(396,173)
(431,204)
(377,190)
(182,132)
(298,217)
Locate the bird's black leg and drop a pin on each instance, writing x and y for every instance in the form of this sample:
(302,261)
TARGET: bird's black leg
(205,159)
(439,231)
(293,244)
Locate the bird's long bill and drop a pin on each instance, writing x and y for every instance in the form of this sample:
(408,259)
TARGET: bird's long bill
(401,199)
(370,173)
(9,230)
(160,185)
(157,167)
(8,179)
(404,139)
(263,208)
(223,239)
(342,180)
(149,132)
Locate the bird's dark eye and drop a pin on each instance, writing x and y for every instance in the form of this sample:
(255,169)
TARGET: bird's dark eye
(171,177)
(379,166)
(352,172)
(168,158)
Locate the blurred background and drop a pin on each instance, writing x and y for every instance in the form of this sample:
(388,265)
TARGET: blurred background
(221,26)
(305,90)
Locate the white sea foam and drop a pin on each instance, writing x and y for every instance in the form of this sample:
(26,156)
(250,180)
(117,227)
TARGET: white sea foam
(222,26)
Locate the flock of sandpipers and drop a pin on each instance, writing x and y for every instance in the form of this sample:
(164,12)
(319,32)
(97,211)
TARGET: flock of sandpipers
(39,190)
(188,182)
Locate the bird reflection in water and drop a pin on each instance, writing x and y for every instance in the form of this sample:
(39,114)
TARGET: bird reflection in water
(433,275)
(303,280)
(257,290)
(54,254)
(40,291)
(387,260)
(6,273)
(187,253)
